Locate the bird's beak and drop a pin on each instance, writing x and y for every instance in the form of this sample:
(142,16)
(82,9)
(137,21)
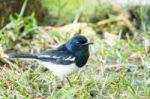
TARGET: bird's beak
(88,43)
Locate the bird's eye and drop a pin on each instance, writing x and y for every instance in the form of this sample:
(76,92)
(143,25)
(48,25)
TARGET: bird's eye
(80,42)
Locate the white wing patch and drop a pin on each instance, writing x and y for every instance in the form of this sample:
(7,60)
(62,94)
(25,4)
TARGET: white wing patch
(55,57)
(70,58)
(48,56)
(44,56)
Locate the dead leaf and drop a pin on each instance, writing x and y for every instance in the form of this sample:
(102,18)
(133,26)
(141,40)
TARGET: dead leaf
(110,38)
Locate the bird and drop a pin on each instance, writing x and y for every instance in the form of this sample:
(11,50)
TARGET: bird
(64,60)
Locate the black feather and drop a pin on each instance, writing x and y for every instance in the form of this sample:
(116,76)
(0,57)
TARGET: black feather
(58,56)
(20,55)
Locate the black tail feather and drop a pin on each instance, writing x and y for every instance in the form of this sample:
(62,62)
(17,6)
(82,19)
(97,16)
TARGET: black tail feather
(20,55)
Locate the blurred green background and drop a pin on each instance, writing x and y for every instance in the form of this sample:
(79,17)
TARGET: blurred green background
(118,67)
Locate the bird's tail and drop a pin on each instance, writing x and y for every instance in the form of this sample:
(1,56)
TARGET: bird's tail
(20,55)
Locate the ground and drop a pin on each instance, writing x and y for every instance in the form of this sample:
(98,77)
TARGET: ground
(118,67)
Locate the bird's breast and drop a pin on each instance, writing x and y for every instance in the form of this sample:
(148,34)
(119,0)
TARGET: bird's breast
(61,70)
(82,59)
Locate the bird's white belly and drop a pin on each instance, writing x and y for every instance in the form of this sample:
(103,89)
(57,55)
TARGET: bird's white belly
(61,70)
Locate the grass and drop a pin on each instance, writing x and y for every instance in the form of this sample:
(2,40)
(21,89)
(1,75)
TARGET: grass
(118,69)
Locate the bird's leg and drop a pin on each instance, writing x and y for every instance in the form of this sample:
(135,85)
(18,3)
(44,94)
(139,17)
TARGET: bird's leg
(69,82)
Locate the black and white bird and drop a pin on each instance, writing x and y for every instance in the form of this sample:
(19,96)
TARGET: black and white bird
(64,60)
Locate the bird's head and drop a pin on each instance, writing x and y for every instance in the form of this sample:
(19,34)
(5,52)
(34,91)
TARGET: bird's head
(78,44)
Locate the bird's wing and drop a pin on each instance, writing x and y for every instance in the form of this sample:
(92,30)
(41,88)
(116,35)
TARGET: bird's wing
(59,56)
